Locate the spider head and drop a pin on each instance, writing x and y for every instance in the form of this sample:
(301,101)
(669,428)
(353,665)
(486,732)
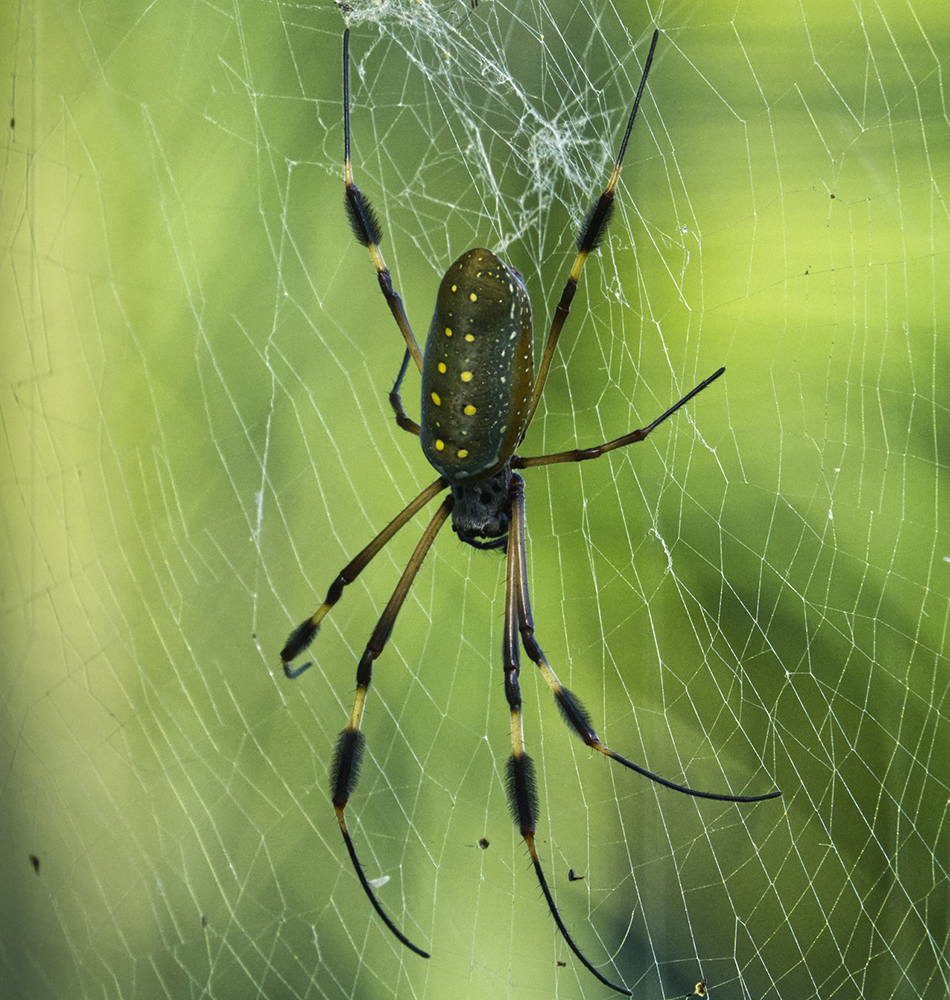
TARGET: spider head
(480,514)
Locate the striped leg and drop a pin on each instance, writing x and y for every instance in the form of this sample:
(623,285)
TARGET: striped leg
(591,233)
(303,635)
(522,789)
(351,743)
(573,712)
(369,233)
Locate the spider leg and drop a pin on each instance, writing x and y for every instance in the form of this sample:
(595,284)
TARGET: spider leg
(351,742)
(522,788)
(588,238)
(583,454)
(365,224)
(573,712)
(302,636)
(395,400)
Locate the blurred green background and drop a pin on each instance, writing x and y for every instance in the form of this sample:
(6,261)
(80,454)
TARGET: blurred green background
(197,438)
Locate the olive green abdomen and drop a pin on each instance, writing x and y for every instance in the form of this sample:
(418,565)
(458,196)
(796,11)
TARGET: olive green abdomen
(478,368)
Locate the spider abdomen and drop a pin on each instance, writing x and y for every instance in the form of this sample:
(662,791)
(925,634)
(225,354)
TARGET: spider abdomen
(478,368)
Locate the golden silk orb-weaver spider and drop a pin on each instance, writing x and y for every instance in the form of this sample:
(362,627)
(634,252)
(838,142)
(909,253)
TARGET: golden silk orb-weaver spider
(479,393)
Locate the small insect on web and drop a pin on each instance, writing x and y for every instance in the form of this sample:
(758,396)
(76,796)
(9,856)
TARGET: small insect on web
(479,394)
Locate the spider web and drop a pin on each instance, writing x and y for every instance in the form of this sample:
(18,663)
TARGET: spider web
(197,439)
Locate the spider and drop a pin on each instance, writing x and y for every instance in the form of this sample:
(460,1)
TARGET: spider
(479,393)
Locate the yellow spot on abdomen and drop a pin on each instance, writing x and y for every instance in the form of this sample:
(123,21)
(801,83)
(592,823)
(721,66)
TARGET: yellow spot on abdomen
(466,376)
(470,337)
(439,444)
(473,297)
(442,367)
(436,399)
(469,410)
(463,453)
(448,331)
